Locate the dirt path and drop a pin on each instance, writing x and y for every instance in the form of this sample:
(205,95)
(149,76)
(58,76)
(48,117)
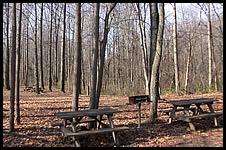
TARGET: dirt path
(37,115)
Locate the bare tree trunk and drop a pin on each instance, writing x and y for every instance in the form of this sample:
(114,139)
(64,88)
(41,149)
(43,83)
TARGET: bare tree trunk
(176,68)
(41,60)
(27,61)
(36,54)
(102,53)
(18,70)
(7,53)
(50,50)
(209,46)
(156,65)
(188,66)
(77,57)
(154,32)
(63,53)
(13,61)
(143,44)
(95,57)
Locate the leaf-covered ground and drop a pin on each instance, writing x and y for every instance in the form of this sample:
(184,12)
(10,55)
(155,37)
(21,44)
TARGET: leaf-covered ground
(37,115)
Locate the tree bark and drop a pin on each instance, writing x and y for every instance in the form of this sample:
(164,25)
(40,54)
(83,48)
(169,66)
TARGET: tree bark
(18,70)
(156,65)
(13,61)
(102,53)
(36,53)
(50,50)
(77,57)
(41,60)
(7,87)
(175,51)
(63,53)
(209,46)
(95,57)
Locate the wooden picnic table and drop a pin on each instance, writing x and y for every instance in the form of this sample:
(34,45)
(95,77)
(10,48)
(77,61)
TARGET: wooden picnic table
(198,112)
(74,118)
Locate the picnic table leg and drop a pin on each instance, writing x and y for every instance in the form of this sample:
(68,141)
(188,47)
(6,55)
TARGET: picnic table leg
(212,110)
(172,114)
(113,133)
(139,110)
(192,127)
(200,111)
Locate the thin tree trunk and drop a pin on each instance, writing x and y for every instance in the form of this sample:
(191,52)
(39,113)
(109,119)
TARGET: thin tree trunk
(176,68)
(188,66)
(7,53)
(63,53)
(27,61)
(13,61)
(209,46)
(36,53)
(95,57)
(50,50)
(18,70)
(102,54)
(144,48)
(154,32)
(41,60)
(77,57)
(156,65)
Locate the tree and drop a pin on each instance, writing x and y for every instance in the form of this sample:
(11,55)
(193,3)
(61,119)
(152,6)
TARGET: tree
(95,57)
(41,60)
(17,88)
(175,53)
(50,50)
(7,53)
(36,53)
(13,61)
(209,45)
(102,53)
(77,57)
(63,53)
(156,65)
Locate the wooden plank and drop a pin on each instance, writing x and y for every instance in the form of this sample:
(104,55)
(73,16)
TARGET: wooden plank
(169,110)
(104,130)
(205,115)
(91,112)
(192,101)
(82,121)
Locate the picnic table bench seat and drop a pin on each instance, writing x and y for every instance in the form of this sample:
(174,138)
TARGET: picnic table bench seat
(193,109)
(67,132)
(189,118)
(82,121)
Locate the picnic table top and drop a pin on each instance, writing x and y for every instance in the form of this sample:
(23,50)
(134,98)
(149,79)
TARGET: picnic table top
(91,112)
(192,101)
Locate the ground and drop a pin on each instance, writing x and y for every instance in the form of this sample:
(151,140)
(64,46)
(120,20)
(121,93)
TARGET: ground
(37,115)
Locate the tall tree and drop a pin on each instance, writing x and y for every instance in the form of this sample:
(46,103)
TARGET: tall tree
(95,57)
(175,53)
(36,52)
(7,53)
(77,57)
(13,68)
(143,43)
(17,88)
(50,50)
(102,52)
(63,53)
(41,60)
(156,65)
(209,45)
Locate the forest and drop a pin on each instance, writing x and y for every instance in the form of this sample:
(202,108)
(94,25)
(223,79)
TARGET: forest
(117,49)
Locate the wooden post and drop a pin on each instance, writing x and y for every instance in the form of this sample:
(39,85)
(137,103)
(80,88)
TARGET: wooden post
(139,110)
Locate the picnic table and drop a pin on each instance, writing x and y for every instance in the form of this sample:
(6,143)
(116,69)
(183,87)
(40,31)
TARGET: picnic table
(197,111)
(74,118)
